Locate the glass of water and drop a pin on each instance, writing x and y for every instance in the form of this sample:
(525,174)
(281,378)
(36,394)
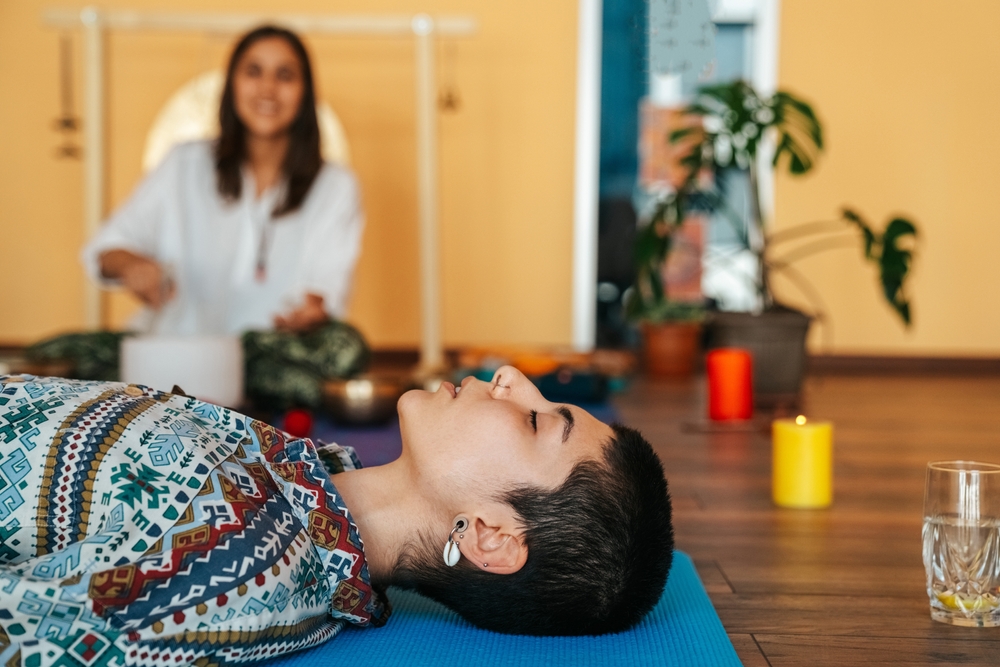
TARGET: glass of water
(962,542)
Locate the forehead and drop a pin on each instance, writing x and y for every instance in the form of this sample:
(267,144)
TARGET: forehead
(590,435)
(586,441)
(270,48)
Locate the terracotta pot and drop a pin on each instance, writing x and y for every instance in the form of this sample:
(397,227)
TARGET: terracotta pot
(670,348)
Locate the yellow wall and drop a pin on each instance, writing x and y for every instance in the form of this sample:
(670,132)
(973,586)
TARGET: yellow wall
(908,95)
(905,89)
(506,163)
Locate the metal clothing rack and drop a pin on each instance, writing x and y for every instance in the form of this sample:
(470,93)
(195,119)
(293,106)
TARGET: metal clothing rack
(422,28)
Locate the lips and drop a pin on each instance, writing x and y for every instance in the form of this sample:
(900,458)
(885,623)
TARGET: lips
(450,388)
(265,107)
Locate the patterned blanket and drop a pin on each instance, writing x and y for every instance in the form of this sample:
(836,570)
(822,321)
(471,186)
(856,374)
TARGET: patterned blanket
(142,528)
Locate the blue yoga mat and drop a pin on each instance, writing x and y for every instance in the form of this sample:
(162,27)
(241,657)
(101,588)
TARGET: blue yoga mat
(683,629)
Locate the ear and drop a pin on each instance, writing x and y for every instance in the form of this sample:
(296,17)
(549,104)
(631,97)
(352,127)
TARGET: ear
(493,546)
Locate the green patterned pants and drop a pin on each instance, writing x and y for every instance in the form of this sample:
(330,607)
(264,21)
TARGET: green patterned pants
(282,370)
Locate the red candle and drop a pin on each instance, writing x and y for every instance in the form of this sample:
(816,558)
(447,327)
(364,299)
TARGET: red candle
(730,384)
(298,423)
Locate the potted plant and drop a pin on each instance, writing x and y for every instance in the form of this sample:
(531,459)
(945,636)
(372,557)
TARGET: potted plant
(735,122)
(671,330)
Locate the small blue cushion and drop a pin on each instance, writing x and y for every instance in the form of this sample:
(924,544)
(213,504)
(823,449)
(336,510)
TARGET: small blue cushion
(683,629)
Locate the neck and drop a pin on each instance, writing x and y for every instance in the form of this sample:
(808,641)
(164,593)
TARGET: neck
(265,158)
(389,513)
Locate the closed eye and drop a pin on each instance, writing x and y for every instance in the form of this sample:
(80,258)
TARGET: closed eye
(534,421)
(567,416)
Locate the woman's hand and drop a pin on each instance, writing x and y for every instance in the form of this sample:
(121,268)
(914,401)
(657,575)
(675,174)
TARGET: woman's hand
(307,316)
(140,275)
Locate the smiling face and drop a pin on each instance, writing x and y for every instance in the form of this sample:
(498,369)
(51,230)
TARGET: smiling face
(268,86)
(485,438)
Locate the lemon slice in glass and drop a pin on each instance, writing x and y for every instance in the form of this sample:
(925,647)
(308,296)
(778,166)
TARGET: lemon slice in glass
(967,603)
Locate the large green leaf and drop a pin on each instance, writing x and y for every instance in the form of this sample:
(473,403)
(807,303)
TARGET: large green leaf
(867,234)
(894,264)
(800,134)
(897,228)
(677,135)
(892,260)
(739,107)
(787,103)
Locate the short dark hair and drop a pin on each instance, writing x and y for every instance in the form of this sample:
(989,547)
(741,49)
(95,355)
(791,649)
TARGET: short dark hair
(599,551)
(303,160)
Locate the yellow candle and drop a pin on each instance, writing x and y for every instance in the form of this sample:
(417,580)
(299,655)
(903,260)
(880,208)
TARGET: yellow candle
(802,470)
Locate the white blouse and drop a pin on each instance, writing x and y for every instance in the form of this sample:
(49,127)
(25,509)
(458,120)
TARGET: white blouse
(212,249)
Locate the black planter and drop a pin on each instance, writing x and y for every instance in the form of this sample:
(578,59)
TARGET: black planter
(777,341)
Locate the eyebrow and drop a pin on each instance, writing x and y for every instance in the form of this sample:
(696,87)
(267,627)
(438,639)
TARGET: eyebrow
(567,414)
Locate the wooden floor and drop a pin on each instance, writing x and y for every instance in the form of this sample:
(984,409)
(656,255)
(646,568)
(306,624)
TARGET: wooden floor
(842,586)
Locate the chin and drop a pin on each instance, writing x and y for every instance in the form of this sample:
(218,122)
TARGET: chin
(410,403)
(410,396)
(419,414)
(267,131)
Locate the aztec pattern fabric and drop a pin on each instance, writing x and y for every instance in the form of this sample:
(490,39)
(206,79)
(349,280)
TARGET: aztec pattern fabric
(142,528)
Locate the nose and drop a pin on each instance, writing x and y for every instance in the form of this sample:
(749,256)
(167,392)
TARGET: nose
(512,383)
(509,376)
(267,83)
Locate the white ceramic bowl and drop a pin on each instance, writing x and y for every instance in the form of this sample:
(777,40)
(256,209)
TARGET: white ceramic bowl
(207,367)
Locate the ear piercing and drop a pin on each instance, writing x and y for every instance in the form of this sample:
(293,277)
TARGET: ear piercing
(452,553)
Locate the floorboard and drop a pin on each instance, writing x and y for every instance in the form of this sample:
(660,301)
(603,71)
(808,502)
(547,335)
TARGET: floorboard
(748,651)
(840,586)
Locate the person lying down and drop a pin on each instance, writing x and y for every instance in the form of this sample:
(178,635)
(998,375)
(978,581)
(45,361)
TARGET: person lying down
(139,527)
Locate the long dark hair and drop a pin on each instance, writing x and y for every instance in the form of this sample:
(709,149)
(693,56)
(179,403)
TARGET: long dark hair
(303,159)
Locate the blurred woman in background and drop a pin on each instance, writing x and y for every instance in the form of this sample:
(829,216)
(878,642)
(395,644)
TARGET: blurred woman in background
(249,234)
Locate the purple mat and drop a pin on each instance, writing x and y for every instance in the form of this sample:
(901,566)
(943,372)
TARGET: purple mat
(377,445)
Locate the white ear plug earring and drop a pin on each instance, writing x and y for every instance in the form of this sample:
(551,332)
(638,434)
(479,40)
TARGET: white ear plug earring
(452,553)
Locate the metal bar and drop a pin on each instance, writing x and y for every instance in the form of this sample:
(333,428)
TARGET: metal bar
(765,80)
(235,23)
(585,197)
(421,26)
(93,149)
(431,352)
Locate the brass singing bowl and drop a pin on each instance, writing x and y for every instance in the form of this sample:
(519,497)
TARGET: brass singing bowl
(364,399)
